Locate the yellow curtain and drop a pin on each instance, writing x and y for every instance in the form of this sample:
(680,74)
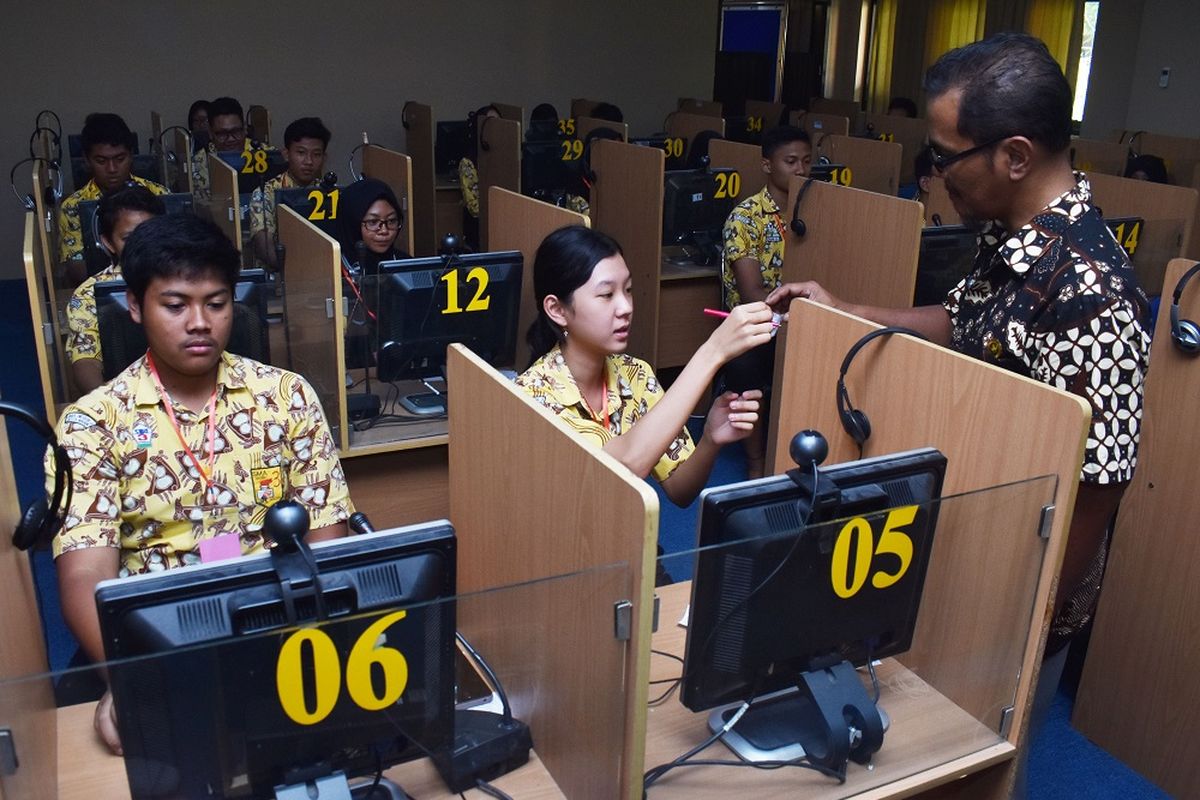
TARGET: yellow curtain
(1053,21)
(952,23)
(883,46)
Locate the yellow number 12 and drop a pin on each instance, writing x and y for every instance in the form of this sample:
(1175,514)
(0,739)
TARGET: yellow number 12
(480,302)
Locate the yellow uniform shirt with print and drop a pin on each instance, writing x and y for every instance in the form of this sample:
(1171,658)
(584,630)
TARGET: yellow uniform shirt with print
(70,232)
(468,182)
(632,392)
(262,203)
(136,488)
(754,230)
(83,327)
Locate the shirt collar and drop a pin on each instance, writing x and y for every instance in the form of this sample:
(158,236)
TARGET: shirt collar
(1021,250)
(570,395)
(768,203)
(230,375)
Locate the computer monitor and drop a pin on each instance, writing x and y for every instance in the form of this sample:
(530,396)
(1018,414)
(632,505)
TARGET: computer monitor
(226,686)
(252,170)
(947,255)
(426,304)
(451,145)
(547,171)
(94,255)
(696,204)
(317,205)
(122,341)
(793,585)
(747,130)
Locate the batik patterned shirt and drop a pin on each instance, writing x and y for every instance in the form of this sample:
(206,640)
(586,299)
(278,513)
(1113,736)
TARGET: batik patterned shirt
(83,327)
(70,230)
(754,230)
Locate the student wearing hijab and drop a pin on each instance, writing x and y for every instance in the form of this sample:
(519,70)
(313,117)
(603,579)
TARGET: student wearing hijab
(369,213)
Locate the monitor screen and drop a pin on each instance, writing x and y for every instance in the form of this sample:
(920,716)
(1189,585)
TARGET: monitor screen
(947,255)
(820,604)
(450,145)
(747,130)
(696,204)
(122,341)
(549,169)
(94,254)
(316,204)
(425,304)
(220,693)
(254,167)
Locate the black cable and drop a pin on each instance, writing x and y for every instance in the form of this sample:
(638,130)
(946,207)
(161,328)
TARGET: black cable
(662,698)
(491,791)
(665,654)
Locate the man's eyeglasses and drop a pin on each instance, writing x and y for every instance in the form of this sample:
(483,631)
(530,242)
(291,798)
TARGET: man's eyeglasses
(231,135)
(377,225)
(941,162)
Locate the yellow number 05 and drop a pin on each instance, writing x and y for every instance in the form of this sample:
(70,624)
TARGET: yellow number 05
(847,578)
(327,672)
(480,302)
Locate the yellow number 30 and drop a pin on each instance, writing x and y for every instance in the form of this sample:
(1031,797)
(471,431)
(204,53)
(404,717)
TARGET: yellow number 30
(327,672)
(848,578)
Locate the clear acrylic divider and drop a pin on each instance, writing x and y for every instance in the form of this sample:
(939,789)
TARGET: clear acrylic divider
(762,610)
(384,692)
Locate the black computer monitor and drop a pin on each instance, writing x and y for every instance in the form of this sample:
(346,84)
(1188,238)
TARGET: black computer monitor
(794,586)
(94,255)
(747,130)
(254,167)
(947,255)
(317,205)
(696,204)
(548,171)
(122,341)
(226,686)
(425,304)
(451,145)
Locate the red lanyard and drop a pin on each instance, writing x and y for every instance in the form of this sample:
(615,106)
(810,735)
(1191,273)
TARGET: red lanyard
(604,408)
(212,427)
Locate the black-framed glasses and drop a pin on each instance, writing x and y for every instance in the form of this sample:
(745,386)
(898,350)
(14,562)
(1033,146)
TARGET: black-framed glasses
(941,162)
(377,225)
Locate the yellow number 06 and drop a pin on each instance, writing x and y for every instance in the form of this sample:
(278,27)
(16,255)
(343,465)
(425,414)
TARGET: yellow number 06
(327,672)
(847,578)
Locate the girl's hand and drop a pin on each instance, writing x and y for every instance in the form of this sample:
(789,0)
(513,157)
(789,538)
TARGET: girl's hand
(747,326)
(732,417)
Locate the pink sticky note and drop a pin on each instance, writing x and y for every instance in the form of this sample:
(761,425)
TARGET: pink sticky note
(220,548)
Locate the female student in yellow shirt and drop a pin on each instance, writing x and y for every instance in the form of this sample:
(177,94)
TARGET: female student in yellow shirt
(582,373)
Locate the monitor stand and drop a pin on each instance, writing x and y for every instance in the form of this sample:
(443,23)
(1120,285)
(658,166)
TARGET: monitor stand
(808,721)
(336,787)
(425,404)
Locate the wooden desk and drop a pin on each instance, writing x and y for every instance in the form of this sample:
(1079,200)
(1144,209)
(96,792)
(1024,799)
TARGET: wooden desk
(87,770)
(684,292)
(931,740)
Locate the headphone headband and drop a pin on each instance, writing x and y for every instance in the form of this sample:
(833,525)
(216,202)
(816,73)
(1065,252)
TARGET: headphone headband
(41,518)
(853,420)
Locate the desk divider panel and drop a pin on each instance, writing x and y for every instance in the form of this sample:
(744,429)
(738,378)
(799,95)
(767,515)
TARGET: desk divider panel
(938,202)
(818,125)
(911,134)
(417,119)
(993,426)
(511,112)
(746,159)
(315,323)
(1139,686)
(183,162)
(521,223)
(581,107)
(874,165)
(771,114)
(156,129)
(1180,153)
(499,165)
(529,498)
(585,125)
(224,204)
(27,711)
(1094,155)
(861,246)
(706,108)
(1169,213)
(627,203)
(689,125)
(837,108)
(42,311)
(55,294)
(259,120)
(396,170)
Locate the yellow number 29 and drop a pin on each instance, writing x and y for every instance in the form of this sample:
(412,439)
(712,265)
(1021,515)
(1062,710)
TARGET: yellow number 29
(368,652)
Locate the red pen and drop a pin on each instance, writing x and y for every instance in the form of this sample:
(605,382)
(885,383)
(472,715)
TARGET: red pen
(713,312)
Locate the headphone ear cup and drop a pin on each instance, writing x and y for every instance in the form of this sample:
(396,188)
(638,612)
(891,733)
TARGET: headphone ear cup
(1186,336)
(798,227)
(857,425)
(33,524)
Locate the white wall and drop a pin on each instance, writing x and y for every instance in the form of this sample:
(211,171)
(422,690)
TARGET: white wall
(1168,39)
(1114,53)
(354,65)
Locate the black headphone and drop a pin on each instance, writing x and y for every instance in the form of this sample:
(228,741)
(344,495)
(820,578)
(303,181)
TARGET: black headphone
(853,420)
(56,142)
(1184,333)
(797,225)
(41,519)
(50,194)
(585,160)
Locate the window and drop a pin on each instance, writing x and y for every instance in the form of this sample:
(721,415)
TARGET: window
(1091,13)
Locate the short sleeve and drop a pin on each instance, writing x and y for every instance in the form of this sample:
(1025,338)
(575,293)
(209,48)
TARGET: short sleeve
(468,181)
(742,237)
(93,517)
(681,446)
(257,212)
(83,329)
(70,234)
(315,476)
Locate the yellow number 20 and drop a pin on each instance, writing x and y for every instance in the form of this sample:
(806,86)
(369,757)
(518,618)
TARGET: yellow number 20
(856,539)
(729,184)
(327,672)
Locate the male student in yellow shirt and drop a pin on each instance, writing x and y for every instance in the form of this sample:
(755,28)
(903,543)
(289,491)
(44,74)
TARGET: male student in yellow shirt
(304,145)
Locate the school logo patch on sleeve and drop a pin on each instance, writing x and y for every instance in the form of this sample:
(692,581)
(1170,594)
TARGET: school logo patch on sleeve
(268,484)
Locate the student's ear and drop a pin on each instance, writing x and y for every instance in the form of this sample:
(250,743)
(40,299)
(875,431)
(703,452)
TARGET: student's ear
(1017,152)
(924,182)
(108,245)
(555,309)
(135,308)
(766,166)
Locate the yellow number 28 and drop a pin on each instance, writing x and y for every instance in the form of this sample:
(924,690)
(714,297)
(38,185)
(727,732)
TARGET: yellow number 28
(367,652)
(254,161)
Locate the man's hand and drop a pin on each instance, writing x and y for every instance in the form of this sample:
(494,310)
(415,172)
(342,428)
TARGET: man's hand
(105,723)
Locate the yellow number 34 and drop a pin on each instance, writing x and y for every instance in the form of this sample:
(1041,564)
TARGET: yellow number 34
(327,672)
(849,576)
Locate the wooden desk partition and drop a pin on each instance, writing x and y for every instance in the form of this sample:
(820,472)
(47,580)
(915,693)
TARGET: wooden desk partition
(746,159)
(417,119)
(860,245)
(581,107)
(511,112)
(52,295)
(770,114)
(518,519)
(585,125)
(938,202)
(838,108)
(1181,154)
(819,125)
(182,148)
(1094,155)
(694,105)
(156,148)
(690,125)
(918,394)
(42,312)
(499,164)
(627,201)
(911,134)
(396,170)
(1138,688)
(224,204)
(521,223)
(258,124)
(1169,213)
(874,165)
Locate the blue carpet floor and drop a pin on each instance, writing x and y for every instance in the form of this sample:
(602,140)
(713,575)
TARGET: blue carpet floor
(1063,764)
